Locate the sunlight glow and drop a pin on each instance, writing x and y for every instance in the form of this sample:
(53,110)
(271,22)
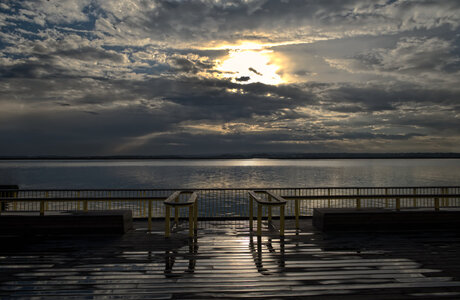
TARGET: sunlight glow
(248,66)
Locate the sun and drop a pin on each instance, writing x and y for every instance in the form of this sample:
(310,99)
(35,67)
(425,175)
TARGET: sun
(249,66)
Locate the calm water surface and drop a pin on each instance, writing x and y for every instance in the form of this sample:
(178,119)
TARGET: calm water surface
(235,173)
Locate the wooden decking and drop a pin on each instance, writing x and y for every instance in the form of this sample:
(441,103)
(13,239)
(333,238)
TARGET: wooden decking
(226,262)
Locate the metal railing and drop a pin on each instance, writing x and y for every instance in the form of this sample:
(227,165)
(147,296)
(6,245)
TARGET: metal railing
(232,203)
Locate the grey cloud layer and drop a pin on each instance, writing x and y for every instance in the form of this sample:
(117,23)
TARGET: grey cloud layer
(135,77)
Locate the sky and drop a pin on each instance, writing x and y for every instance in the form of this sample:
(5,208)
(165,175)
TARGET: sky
(141,77)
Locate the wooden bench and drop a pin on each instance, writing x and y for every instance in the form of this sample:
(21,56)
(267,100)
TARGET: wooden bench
(66,222)
(272,200)
(7,191)
(178,202)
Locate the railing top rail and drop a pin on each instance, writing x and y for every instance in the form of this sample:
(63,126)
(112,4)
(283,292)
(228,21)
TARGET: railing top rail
(10,199)
(224,189)
(374,196)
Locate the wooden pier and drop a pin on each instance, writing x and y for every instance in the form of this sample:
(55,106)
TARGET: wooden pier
(226,261)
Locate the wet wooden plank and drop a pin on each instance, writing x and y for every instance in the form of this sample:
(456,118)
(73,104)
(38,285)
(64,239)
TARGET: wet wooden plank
(228,263)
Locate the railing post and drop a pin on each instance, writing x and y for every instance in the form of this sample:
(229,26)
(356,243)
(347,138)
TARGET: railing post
(42,207)
(446,200)
(46,202)
(251,212)
(398,204)
(150,215)
(297,213)
(259,219)
(190,220)
(167,221)
(282,220)
(85,205)
(386,199)
(329,200)
(195,217)
(269,209)
(145,202)
(436,204)
(415,199)
(15,204)
(176,211)
(358,200)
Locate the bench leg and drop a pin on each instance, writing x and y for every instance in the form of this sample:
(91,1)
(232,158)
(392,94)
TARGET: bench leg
(282,220)
(190,219)
(167,221)
(259,219)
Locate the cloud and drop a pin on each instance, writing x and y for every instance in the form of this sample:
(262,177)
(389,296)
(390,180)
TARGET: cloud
(243,78)
(141,77)
(254,71)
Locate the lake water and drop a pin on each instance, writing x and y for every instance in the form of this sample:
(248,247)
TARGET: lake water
(230,173)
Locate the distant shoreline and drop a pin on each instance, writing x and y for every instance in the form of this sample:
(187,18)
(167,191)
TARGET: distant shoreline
(246,156)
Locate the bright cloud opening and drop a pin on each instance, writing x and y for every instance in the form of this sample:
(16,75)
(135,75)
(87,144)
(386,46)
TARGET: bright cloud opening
(250,66)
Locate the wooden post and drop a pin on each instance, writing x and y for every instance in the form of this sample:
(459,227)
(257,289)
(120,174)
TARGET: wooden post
(358,200)
(176,211)
(15,204)
(282,220)
(329,200)
(398,204)
(436,204)
(269,209)
(167,221)
(259,219)
(150,215)
(251,212)
(42,208)
(145,202)
(190,220)
(415,199)
(386,199)
(195,210)
(297,213)
(446,200)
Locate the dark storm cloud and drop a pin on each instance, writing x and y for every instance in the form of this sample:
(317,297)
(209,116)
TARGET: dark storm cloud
(229,20)
(142,77)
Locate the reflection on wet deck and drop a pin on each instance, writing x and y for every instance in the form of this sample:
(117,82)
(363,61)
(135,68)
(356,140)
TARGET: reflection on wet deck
(226,261)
